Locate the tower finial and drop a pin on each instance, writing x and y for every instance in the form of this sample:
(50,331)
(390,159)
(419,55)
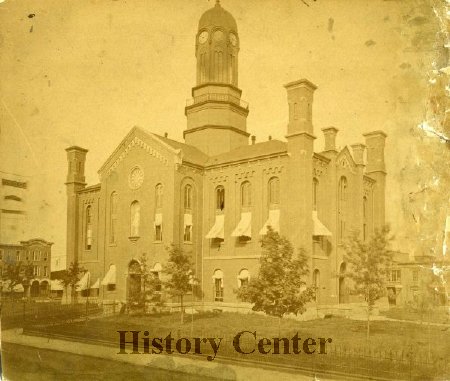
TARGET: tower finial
(218,2)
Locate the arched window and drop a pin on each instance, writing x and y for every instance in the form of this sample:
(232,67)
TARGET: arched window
(220,198)
(113,217)
(135,218)
(342,201)
(246,194)
(88,227)
(365,211)
(159,196)
(218,285)
(188,197)
(274,191)
(315,193)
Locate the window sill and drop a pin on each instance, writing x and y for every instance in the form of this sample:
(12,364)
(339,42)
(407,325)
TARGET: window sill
(158,242)
(112,244)
(187,242)
(134,238)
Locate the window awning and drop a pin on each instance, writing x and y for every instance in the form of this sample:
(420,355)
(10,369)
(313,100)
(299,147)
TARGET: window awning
(218,274)
(83,283)
(157,267)
(273,221)
(96,284)
(244,274)
(55,285)
(110,277)
(217,230)
(187,220)
(158,219)
(319,228)
(244,228)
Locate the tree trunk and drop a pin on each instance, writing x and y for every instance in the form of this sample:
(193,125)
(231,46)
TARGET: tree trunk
(182,309)
(368,321)
(279,326)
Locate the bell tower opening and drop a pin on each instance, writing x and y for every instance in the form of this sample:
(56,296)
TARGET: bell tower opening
(216,114)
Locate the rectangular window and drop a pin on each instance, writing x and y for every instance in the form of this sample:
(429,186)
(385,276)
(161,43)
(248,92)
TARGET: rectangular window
(45,271)
(17,256)
(187,237)
(415,275)
(35,255)
(35,270)
(158,227)
(44,256)
(218,290)
(111,287)
(395,276)
(158,233)
(187,233)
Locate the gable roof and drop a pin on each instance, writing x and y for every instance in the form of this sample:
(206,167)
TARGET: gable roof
(268,148)
(190,153)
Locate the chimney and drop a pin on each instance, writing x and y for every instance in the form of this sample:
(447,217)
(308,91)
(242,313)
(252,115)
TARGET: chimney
(300,99)
(270,137)
(76,158)
(166,134)
(330,138)
(253,139)
(375,142)
(358,153)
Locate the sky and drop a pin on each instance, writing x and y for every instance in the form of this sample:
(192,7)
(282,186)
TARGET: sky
(85,72)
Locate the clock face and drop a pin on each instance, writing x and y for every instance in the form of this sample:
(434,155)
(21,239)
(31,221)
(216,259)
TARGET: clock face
(218,35)
(203,37)
(233,39)
(136,178)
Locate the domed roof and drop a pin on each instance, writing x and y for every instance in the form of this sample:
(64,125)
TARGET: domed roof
(217,17)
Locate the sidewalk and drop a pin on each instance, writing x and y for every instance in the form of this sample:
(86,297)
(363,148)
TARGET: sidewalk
(200,368)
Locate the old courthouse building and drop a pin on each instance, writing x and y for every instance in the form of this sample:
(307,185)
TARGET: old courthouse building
(215,193)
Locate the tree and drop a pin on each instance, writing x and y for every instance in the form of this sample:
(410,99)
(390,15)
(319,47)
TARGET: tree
(280,287)
(70,278)
(368,263)
(180,273)
(17,273)
(150,285)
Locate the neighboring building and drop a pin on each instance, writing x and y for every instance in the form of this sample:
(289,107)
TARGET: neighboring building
(13,208)
(216,194)
(36,252)
(413,280)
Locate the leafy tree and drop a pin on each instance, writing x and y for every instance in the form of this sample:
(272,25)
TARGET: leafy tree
(70,278)
(368,263)
(180,273)
(150,285)
(17,273)
(280,287)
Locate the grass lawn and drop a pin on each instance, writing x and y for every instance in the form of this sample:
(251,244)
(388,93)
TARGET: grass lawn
(388,335)
(433,316)
(394,349)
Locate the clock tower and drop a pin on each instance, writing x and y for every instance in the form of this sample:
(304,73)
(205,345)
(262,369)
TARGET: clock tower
(216,114)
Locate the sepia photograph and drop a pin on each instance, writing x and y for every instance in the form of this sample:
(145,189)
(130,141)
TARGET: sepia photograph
(224,190)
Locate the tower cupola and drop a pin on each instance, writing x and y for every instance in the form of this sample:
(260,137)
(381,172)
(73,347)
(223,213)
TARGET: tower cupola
(217,47)
(216,114)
